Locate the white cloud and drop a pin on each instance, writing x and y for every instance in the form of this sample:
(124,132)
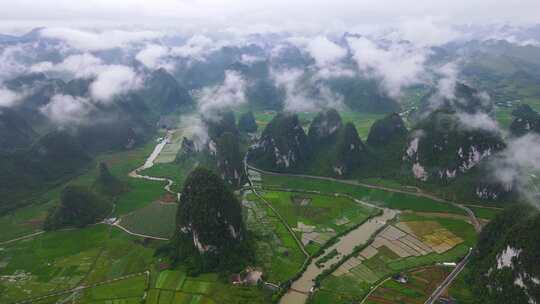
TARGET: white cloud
(328,56)
(80,66)
(67,110)
(249,59)
(397,66)
(518,165)
(114,80)
(11,64)
(478,121)
(425,32)
(229,94)
(109,80)
(324,51)
(222,14)
(94,41)
(446,86)
(8,98)
(304,94)
(196,47)
(152,56)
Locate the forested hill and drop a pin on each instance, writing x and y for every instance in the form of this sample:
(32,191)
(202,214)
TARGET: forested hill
(505,268)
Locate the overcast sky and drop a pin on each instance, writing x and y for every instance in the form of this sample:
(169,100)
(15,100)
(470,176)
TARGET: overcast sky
(259,14)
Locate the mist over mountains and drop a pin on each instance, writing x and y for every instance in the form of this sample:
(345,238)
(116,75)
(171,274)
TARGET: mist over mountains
(111,87)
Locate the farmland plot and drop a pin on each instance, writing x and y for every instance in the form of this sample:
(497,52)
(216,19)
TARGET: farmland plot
(420,284)
(413,242)
(276,251)
(175,287)
(157,219)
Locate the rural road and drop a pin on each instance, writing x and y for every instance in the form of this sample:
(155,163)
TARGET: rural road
(117,224)
(149,163)
(449,279)
(22,237)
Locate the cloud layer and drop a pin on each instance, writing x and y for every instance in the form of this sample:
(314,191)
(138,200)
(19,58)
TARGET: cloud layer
(215,14)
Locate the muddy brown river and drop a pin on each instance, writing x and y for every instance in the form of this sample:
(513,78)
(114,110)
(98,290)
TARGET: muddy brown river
(298,293)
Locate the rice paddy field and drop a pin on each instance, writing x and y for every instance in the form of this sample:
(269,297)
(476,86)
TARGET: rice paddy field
(113,265)
(419,286)
(392,200)
(277,253)
(64,259)
(175,287)
(317,218)
(413,241)
(461,290)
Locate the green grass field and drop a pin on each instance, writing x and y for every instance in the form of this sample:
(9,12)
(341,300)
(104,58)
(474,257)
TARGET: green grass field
(485,213)
(141,194)
(175,287)
(277,253)
(130,290)
(52,261)
(461,290)
(29,219)
(175,171)
(393,200)
(322,211)
(23,221)
(421,283)
(156,219)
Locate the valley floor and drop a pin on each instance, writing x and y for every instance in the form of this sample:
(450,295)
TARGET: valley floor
(303,229)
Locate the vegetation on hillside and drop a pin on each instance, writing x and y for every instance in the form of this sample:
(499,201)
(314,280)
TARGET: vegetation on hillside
(229,159)
(108,184)
(78,207)
(210,233)
(504,268)
(247,123)
(283,144)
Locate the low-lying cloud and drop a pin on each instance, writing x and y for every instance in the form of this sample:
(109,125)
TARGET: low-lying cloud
(77,66)
(518,165)
(229,94)
(397,66)
(8,98)
(113,81)
(303,93)
(96,41)
(153,56)
(108,80)
(67,110)
(478,121)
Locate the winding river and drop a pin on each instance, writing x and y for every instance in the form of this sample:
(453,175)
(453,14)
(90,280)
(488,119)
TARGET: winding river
(300,289)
